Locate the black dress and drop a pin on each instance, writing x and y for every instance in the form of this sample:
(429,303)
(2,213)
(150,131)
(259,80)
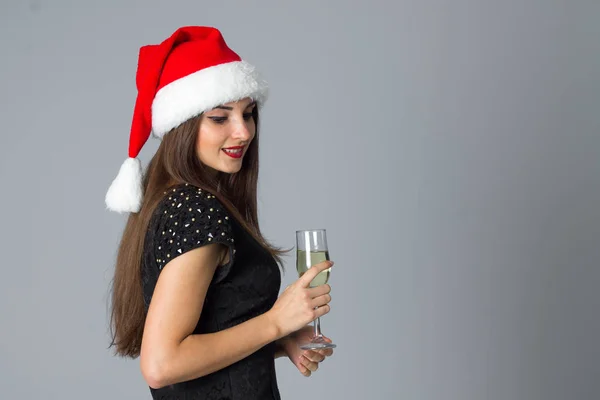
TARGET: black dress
(246,287)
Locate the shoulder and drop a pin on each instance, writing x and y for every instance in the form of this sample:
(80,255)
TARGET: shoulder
(184,194)
(190,201)
(189,217)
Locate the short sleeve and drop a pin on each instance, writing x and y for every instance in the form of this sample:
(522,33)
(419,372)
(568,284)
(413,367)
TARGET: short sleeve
(192,218)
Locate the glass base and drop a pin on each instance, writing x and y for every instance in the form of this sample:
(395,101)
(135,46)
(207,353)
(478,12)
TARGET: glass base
(317,343)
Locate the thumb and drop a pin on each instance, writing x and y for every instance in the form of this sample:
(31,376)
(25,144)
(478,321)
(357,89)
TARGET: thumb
(313,271)
(327,339)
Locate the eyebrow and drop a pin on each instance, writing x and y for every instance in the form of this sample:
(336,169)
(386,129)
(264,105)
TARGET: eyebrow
(231,108)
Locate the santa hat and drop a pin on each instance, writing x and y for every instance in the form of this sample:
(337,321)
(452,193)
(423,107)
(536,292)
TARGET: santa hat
(192,71)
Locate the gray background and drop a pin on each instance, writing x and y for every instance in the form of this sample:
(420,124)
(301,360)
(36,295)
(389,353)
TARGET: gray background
(452,150)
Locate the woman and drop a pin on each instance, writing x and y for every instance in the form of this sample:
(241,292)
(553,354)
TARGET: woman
(195,290)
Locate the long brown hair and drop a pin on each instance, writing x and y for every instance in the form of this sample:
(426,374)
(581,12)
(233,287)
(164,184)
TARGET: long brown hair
(176,162)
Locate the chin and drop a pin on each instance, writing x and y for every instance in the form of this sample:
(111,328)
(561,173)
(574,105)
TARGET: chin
(222,167)
(229,170)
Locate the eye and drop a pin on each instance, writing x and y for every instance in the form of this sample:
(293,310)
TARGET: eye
(218,120)
(247,116)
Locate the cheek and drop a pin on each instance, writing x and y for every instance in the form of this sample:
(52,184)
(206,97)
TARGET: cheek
(208,141)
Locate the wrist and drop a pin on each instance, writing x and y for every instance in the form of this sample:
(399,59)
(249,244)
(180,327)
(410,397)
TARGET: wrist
(279,349)
(271,327)
(281,346)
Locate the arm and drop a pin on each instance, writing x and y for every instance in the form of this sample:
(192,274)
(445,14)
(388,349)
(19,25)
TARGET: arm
(170,353)
(280,347)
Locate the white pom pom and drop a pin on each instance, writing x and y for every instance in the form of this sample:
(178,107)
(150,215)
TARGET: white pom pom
(125,192)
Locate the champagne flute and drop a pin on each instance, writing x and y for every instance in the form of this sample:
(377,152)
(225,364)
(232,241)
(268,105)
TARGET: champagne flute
(311,249)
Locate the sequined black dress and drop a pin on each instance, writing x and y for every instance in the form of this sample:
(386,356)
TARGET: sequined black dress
(246,287)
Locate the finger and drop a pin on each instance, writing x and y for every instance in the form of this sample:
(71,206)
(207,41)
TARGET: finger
(319,290)
(319,312)
(326,352)
(299,363)
(313,356)
(310,365)
(321,300)
(313,271)
(304,371)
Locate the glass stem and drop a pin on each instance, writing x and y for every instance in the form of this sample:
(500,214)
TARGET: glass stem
(318,327)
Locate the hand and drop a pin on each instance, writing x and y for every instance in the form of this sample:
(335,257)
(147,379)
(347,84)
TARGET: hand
(300,304)
(307,361)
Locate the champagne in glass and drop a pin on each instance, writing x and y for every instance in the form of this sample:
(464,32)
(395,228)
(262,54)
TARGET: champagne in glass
(307,259)
(311,249)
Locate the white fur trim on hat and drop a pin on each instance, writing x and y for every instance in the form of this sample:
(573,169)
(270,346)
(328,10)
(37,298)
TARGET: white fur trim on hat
(125,192)
(201,91)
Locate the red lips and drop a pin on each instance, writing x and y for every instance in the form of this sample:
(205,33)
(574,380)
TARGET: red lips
(237,151)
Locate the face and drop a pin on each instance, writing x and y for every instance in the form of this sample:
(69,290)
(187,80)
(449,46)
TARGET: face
(224,135)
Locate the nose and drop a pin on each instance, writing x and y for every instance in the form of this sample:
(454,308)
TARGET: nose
(242,131)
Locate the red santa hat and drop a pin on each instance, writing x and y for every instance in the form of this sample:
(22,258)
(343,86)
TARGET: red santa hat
(190,72)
